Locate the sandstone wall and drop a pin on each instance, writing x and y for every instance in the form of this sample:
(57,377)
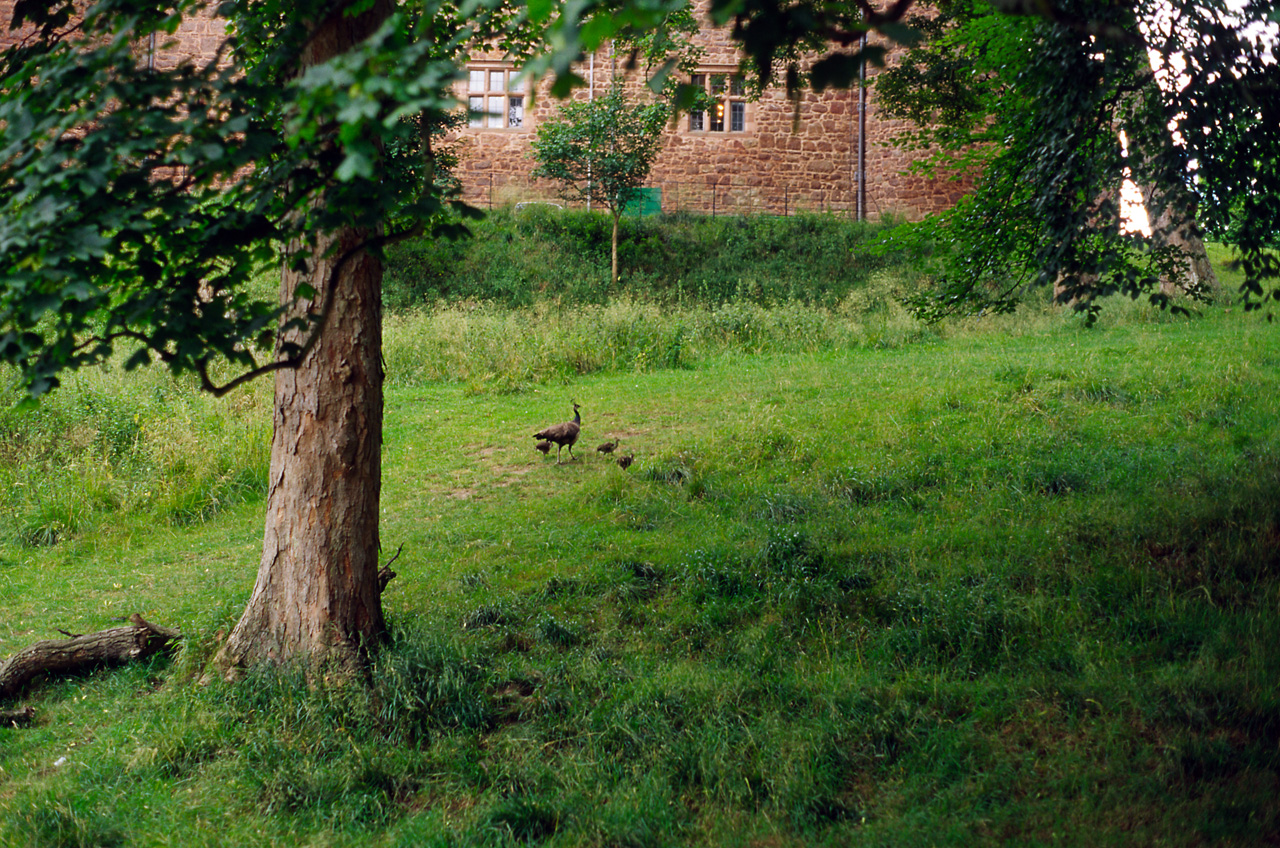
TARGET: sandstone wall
(778,165)
(197,38)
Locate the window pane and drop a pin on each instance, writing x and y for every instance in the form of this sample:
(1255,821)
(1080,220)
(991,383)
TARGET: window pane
(516,83)
(698,81)
(515,112)
(737,86)
(476,107)
(697,120)
(496,80)
(497,118)
(717,83)
(477,81)
(737,116)
(717,117)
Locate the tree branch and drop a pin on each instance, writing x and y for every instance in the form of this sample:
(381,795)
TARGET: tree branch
(295,361)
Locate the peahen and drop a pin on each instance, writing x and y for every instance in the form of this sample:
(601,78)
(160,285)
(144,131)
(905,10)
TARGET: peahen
(564,434)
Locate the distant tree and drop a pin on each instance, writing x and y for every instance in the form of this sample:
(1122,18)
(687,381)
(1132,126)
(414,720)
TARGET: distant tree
(601,150)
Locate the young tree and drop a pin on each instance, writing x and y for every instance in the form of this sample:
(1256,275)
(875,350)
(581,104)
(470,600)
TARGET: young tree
(601,150)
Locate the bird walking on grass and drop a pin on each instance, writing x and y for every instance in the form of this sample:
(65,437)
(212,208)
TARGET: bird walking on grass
(564,434)
(543,446)
(608,447)
(624,462)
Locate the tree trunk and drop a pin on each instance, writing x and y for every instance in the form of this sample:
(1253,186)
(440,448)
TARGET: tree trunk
(1173,224)
(1170,205)
(318,595)
(613,265)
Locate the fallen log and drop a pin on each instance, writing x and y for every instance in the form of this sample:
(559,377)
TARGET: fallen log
(116,645)
(17,718)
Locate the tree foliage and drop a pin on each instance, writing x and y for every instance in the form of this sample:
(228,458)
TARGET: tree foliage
(136,202)
(1036,105)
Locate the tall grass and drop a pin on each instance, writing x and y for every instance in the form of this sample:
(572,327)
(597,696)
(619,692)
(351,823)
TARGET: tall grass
(112,442)
(492,348)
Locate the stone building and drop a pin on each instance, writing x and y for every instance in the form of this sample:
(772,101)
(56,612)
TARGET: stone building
(757,156)
(197,39)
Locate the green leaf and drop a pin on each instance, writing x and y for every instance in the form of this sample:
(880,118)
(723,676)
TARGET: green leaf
(355,166)
(540,10)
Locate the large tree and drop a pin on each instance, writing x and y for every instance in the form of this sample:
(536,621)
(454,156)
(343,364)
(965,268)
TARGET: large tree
(138,202)
(1054,113)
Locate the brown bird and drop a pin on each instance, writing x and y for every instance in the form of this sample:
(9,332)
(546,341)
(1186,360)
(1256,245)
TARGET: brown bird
(624,462)
(543,446)
(563,434)
(608,447)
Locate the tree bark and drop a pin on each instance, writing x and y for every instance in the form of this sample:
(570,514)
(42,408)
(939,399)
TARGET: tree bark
(1173,224)
(1170,204)
(613,264)
(134,641)
(318,594)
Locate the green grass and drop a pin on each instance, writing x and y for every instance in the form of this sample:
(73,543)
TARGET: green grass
(1001,581)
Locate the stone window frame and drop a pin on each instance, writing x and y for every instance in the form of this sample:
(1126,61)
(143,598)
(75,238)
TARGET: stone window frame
(491,84)
(728,89)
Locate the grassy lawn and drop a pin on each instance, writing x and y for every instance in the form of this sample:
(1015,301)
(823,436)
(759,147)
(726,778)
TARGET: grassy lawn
(1010,583)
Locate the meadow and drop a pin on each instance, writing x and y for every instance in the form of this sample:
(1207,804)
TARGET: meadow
(1004,580)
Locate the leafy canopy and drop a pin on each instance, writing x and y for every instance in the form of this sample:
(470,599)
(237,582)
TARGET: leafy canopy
(601,149)
(136,202)
(1036,105)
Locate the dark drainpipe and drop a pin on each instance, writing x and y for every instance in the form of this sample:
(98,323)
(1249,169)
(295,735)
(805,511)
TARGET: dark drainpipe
(862,132)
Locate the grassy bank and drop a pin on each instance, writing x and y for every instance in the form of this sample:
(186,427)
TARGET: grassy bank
(542,253)
(980,585)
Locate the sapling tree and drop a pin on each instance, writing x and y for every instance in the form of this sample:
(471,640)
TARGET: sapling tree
(601,150)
